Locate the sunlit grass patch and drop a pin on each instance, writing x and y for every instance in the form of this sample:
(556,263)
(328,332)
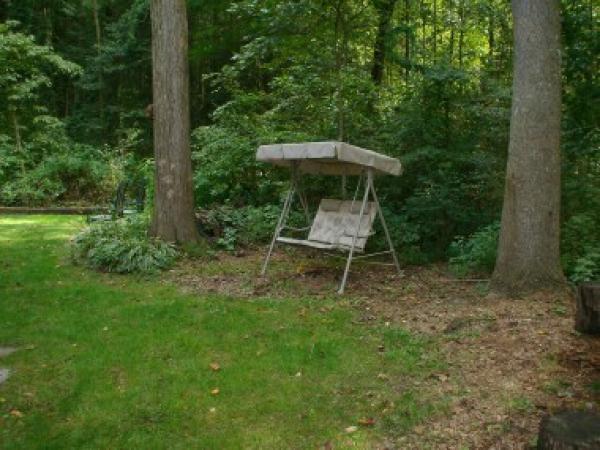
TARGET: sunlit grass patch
(115,361)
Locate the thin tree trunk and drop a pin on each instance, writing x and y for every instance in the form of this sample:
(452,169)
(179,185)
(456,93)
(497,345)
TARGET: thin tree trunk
(338,71)
(451,45)
(435,30)
(461,33)
(491,41)
(48,24)
(423,33)
(407,39)
(97,25)
(173,217)
(98,30)
(450,6)
(385,10)
(528,252)
(18,140)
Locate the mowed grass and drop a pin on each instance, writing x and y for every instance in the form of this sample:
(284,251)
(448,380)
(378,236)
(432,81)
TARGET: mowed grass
(109,361)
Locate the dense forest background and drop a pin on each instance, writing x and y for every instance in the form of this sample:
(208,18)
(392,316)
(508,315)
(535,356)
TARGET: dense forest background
(427,81)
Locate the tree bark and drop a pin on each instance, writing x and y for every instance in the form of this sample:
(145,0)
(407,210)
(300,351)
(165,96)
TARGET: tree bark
(340,49)
(385,10)
(491,39)
(570,430)
(173,217)
(587,318)
(528,252)
(18,141)
(461,33)
(407,39)
(96,16)
(435,30)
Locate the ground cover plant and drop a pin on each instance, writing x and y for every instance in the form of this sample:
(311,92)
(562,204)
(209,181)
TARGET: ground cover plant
(116,361)
(122,246)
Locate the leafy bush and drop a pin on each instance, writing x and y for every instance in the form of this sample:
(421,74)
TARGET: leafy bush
(63,176)
(233,227)
(580,246)
(52,168)
(586,267)
(477,253)
(122,246)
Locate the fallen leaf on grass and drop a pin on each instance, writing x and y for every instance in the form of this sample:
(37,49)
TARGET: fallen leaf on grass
(215,367)
(351,429)
(367,422)
(16,413)
(215,391)
(441,377)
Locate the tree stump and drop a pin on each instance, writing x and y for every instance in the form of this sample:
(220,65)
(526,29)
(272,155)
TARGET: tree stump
(570,430)
(587,319)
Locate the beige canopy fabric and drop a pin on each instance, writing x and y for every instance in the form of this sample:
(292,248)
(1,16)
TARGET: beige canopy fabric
(328,158)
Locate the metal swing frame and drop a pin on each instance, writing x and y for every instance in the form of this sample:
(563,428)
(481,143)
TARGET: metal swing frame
(369,191)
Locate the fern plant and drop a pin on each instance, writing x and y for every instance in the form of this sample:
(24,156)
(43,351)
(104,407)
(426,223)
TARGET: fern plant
(122,246)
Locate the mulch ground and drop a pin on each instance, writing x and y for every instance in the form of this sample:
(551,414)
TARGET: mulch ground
(509,361)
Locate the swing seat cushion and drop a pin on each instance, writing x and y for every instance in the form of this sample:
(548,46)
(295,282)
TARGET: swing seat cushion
(335,224)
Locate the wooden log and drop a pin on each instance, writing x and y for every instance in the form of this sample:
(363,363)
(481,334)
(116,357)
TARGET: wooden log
(75,210)
(587,318)
(570,430)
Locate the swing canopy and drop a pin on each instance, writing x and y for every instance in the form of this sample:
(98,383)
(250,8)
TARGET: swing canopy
(338,224)
(328,158)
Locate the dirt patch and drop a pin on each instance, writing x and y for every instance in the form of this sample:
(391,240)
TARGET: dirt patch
(510,361)
(4,374)
(5,351)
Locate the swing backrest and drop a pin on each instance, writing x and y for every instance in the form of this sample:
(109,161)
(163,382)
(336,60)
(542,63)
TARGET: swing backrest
(336,222)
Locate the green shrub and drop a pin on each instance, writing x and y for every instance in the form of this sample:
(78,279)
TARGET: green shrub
(246,226)
(476,253)
(75,175)
(122,246)
(580,246)
(586,267)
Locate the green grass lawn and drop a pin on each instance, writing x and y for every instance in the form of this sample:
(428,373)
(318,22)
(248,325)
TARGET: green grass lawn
(109,361)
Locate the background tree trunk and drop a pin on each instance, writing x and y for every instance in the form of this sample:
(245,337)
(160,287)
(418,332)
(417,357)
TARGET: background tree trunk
(173,218)
(528,252)
(385,10)
(569,430)
(587,317)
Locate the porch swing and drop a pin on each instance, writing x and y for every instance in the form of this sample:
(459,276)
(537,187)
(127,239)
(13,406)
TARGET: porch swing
(343,225)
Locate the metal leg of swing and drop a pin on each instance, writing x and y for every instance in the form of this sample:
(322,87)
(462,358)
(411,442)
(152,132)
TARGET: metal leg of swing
(280,223)
(355,237)
(384,225)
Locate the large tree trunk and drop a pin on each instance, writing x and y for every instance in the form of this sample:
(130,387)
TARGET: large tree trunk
(528,252)
(173,218)
(385,10)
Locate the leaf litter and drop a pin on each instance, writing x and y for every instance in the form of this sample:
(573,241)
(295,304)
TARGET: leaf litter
(510,361)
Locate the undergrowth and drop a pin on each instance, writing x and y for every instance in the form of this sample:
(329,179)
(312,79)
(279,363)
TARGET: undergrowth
(122,246)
